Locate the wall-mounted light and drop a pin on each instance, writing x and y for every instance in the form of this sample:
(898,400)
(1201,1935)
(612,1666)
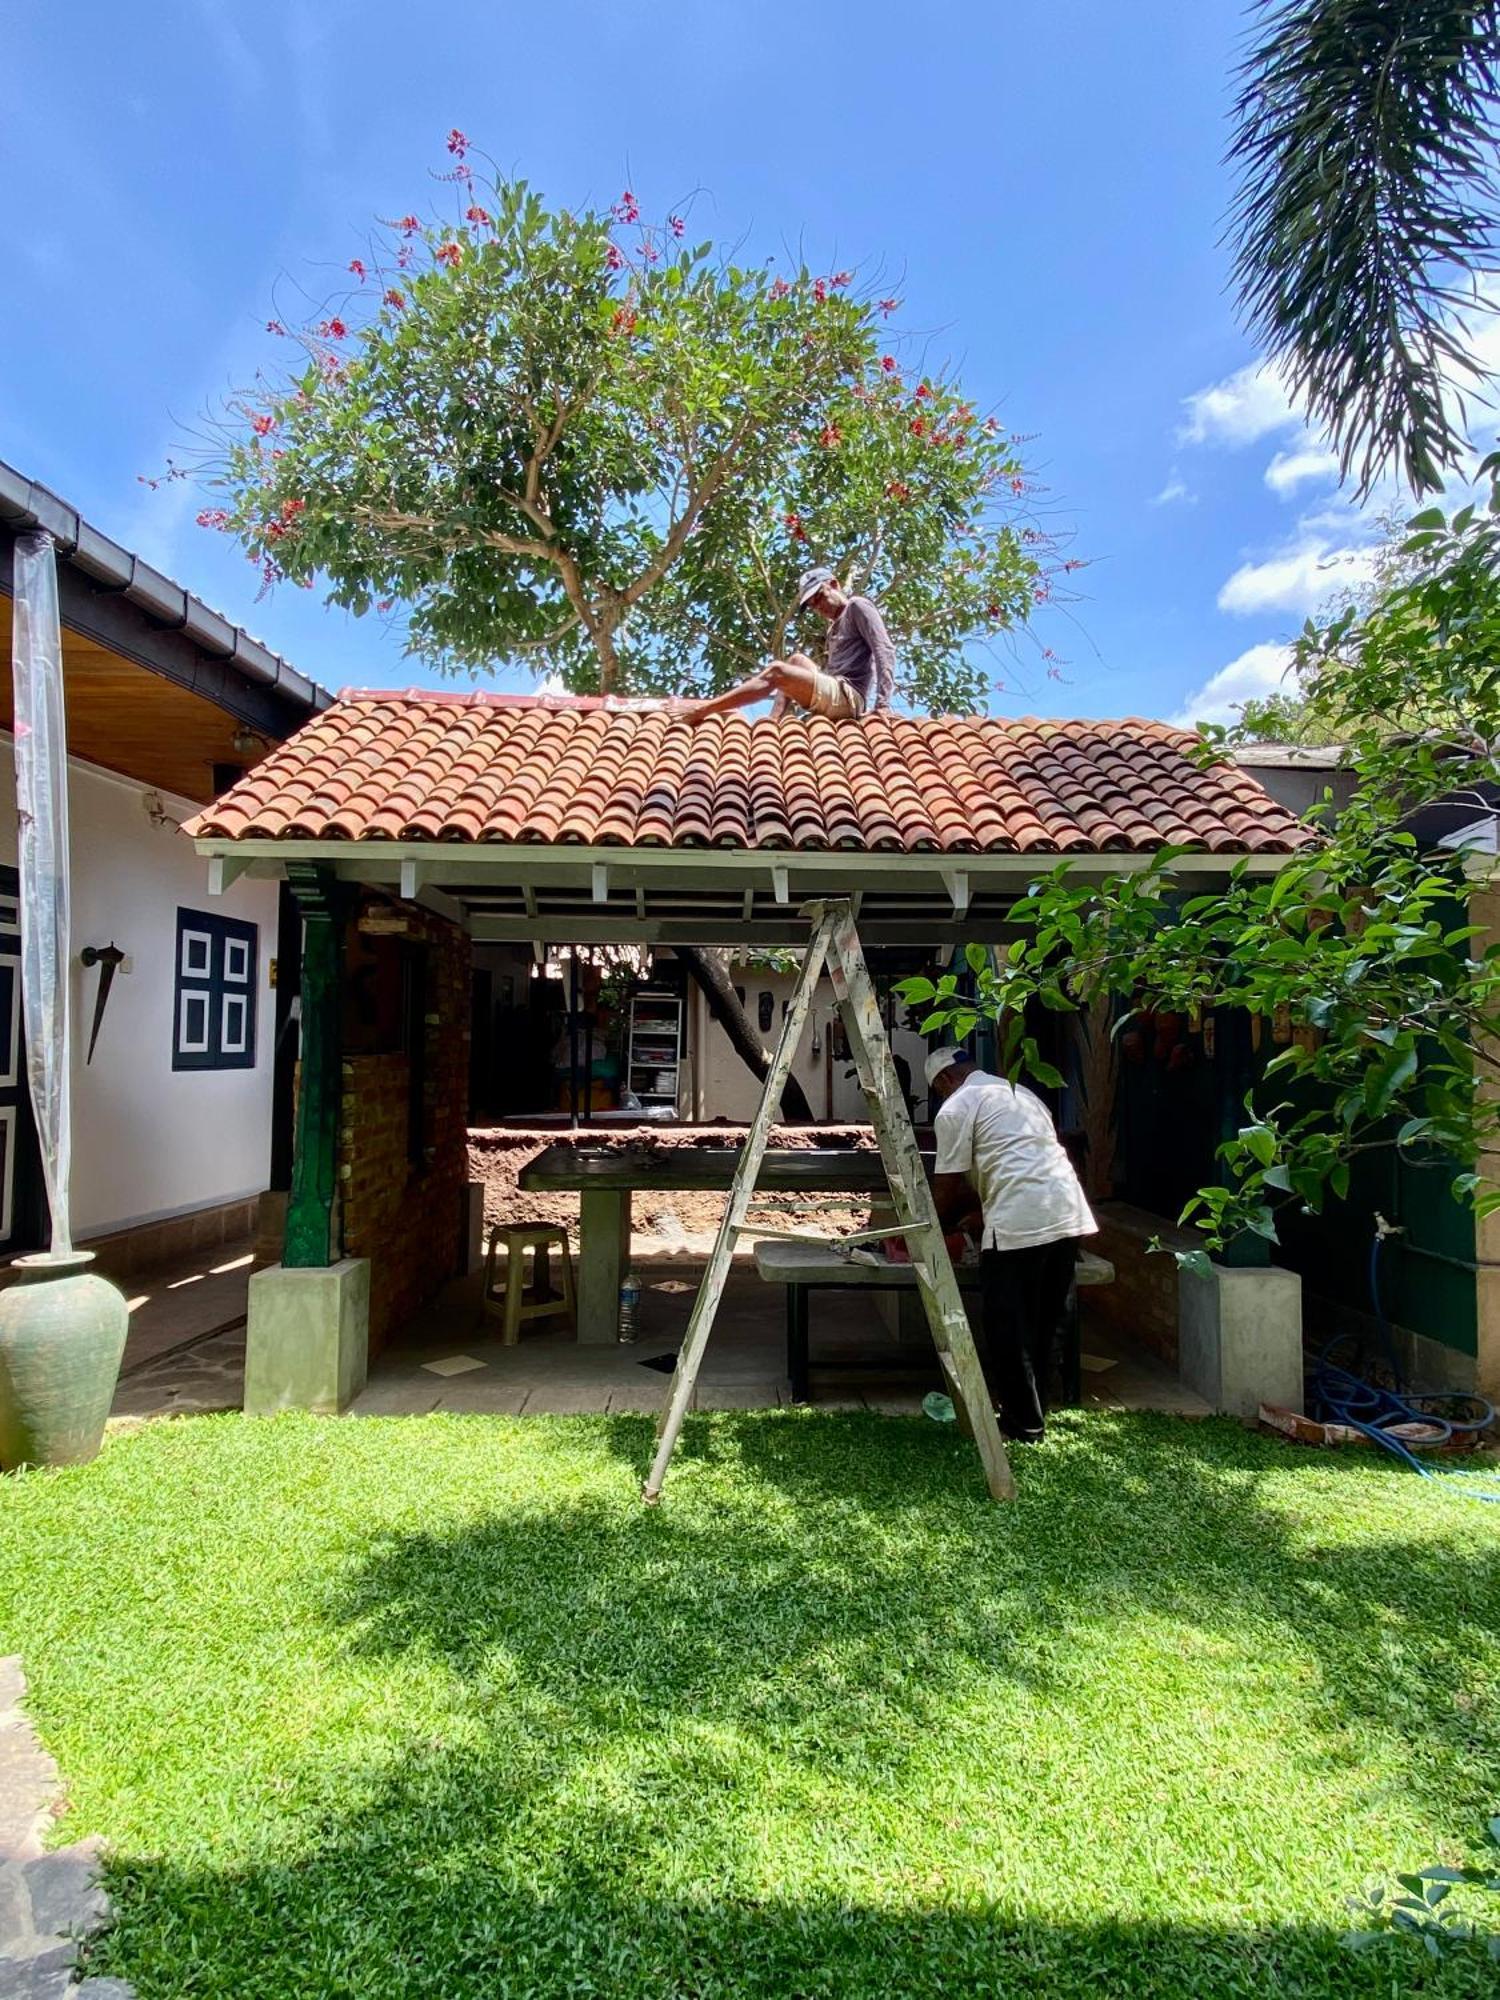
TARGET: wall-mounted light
(246,740)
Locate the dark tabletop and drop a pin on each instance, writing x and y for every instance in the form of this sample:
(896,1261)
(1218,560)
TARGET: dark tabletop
(707,1167)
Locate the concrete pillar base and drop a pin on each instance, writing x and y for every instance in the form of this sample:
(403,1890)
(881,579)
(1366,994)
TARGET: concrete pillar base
(1239,1337)
(307,1338)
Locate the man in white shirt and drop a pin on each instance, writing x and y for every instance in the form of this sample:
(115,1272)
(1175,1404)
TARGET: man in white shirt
(997,1139)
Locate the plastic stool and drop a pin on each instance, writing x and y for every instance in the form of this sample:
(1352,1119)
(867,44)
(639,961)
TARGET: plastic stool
(512,1305)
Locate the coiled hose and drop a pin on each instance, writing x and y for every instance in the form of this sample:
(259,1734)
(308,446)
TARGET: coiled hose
(1336,1394)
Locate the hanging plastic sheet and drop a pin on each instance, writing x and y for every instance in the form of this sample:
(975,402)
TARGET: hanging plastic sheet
(42,813)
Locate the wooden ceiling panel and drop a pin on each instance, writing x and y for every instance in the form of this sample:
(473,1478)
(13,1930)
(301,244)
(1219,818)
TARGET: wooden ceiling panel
(133,721)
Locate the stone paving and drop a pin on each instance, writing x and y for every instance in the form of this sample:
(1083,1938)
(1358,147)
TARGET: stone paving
(50,1902)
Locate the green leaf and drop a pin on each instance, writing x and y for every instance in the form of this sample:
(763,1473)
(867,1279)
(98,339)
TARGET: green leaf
(1387,1077)
(1196,1261)
(977,957)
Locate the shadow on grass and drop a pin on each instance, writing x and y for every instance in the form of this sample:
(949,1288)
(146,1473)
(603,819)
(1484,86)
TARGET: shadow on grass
(712,1749)
(418,1896)
(859,1558)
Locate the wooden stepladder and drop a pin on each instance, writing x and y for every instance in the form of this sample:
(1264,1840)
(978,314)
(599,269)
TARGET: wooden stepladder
(835,943)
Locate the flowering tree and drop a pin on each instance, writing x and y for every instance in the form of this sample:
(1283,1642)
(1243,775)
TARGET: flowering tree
(574,439)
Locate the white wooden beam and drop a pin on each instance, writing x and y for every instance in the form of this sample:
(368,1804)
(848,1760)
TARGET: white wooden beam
(748,909)
(412,876)
(956,882)
(779,883)
(224,870)
(443,906)
(600,881)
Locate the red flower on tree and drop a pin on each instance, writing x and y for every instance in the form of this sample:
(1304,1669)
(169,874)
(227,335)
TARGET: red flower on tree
(830,435)
(627,208)
(922,391)
(458,145)
(396,299)
(614,258)
(357,267)
(450,254)
(898,490)
(795,527)
(780,288)
(918,428)
(332,329)
(820,289)
(213,517)
(275,326)
(888,363)
(478,216)
(888,306)
(623,321)
(409,225)
(262,424)
(677,226)
(840,279)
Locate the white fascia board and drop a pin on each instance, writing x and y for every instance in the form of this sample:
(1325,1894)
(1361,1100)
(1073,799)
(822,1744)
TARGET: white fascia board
(455,864)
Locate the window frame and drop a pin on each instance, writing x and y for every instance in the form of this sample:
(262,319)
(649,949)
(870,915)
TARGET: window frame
(219,977)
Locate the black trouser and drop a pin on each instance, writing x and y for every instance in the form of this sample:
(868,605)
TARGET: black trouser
(1024,1293)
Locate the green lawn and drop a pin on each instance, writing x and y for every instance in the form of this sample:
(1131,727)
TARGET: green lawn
(434,1707)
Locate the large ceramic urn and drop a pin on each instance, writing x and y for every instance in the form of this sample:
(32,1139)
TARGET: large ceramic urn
(62,1333)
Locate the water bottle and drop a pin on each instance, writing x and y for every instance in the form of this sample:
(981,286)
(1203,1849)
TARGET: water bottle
(630,1302)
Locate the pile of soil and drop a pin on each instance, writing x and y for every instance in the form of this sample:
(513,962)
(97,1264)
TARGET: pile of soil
(497,1155)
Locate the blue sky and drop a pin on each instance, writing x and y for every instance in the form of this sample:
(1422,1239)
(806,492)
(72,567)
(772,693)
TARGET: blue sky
(1042,181)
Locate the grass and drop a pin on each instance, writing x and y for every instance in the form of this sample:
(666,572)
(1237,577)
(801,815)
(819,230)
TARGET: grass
(435,1707)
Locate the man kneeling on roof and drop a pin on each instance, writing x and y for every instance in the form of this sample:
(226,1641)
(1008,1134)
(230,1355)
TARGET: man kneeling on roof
(997,1138)
(860,669)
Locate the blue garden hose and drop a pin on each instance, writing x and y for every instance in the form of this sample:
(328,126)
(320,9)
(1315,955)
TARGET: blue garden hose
(1338,1395)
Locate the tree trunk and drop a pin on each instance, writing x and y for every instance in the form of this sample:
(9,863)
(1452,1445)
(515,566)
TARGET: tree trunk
(707,973)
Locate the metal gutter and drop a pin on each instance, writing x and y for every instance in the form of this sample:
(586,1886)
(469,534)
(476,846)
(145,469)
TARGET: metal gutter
(113,571)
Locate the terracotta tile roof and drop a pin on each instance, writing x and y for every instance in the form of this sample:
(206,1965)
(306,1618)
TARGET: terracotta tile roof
(421,766)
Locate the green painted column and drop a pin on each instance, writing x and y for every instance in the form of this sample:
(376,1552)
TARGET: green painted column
(309,1240)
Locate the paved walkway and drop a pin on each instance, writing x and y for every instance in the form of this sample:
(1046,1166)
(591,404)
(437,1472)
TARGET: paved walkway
(50,1903)
(451,1358)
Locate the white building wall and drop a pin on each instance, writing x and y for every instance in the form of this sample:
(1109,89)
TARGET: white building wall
(150,1141)
(724,1088)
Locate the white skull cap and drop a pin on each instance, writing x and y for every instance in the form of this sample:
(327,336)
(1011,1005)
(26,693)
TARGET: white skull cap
(941,1059)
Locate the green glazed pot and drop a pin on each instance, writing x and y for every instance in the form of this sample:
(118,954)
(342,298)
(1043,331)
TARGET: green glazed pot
(62,1333)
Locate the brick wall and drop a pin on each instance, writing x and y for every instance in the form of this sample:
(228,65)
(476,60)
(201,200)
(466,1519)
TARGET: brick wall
(407,1218)
(1141,1304)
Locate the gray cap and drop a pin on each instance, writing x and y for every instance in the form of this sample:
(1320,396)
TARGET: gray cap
(812,582)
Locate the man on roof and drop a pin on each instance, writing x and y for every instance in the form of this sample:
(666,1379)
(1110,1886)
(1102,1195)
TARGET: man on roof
(857,676)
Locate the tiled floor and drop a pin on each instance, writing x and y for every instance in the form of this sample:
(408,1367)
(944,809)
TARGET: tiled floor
(451,1358)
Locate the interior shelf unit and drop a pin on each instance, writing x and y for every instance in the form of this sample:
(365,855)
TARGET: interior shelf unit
(655,1045)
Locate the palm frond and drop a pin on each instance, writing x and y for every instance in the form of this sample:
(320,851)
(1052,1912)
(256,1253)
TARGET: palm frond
(1366,212)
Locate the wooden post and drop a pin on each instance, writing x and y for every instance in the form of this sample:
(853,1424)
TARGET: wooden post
(309,1222)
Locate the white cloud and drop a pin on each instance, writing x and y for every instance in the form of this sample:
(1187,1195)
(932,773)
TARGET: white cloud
(1175,489)
(1256,673)
(1290,469)
(1247,405)
(1298,580)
